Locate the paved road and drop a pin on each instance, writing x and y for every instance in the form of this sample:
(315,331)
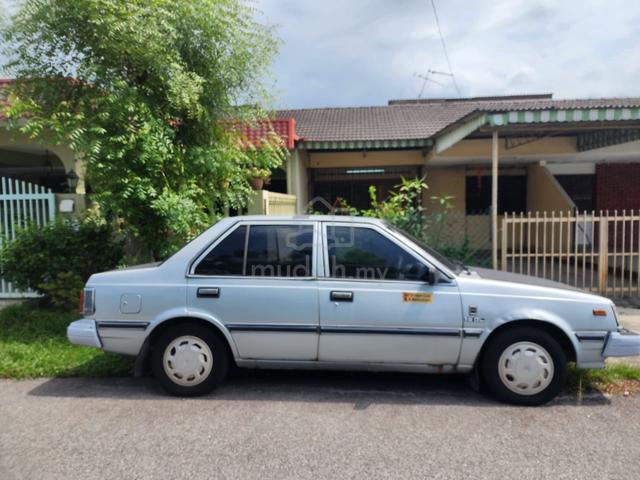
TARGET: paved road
(308,425)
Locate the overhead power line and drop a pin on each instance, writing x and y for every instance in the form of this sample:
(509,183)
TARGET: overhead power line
(444,46)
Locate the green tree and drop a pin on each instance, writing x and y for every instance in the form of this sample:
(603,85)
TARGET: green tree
(145,90)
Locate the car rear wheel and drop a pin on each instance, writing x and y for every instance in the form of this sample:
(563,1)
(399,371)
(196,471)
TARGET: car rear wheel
(189,360)
(524,366)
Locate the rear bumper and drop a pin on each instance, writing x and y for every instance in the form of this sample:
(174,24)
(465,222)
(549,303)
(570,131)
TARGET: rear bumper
(622,344)
(84,332)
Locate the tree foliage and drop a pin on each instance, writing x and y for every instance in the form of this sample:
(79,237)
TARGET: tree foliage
(145,91)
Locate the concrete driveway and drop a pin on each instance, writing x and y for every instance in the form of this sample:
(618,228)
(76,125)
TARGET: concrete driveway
(311,425)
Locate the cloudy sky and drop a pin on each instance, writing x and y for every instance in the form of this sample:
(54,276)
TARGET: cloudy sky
(364,52)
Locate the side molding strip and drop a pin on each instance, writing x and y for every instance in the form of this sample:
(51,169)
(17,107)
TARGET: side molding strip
(266,327)
(261,327)
(124,324)
(437,332)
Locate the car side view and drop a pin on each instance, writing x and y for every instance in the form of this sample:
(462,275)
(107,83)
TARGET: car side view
(340,292)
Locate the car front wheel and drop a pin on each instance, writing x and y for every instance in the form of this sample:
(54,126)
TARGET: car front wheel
(524,366)
(189,360)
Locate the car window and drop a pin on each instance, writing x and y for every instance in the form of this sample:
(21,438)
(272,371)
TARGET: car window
(227,258)
(365,254)
(280,251)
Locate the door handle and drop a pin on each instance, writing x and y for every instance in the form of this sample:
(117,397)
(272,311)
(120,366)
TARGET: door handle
(341,296)
(209,292)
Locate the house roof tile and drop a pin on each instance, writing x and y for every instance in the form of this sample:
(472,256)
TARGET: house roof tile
(421,119)
(375,123)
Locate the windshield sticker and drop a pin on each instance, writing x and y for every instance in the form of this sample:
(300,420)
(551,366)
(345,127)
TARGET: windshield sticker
(418,297)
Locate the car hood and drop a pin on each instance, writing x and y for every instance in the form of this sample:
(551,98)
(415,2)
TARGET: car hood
(489,274)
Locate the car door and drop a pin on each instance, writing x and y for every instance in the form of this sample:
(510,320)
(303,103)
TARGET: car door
(259,281)
(375,305)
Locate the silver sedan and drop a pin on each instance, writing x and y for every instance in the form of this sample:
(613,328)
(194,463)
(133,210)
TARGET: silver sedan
(343,293)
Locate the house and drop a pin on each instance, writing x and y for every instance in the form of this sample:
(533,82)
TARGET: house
(31,165)
(545,155)
(552,154)
(517,154)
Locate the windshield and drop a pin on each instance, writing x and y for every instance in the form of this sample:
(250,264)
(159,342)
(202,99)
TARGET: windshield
(456,267)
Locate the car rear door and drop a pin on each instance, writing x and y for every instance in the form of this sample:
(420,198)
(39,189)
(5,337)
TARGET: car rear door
(259,280)
(373,308)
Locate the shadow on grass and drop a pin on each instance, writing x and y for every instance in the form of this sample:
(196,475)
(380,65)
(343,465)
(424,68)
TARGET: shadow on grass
(362,389)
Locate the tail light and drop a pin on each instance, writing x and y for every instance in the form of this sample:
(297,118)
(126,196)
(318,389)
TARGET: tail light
(88,299)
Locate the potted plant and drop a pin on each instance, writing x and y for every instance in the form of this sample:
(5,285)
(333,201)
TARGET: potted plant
(259,177)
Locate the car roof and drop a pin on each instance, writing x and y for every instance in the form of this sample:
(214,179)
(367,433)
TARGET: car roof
(323,218)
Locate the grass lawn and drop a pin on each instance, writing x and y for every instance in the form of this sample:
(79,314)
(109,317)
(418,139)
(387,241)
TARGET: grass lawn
(33,343)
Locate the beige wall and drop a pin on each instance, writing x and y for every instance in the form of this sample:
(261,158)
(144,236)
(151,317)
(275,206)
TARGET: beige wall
(9,140)
(448,181)
(544,193)
(365,159)
(482,147)
(263,202)
(297,180)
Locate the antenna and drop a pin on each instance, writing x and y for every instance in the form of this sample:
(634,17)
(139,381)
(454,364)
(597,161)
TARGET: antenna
(428,78)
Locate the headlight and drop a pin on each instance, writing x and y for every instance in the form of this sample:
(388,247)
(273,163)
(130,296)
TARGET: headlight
(88,299)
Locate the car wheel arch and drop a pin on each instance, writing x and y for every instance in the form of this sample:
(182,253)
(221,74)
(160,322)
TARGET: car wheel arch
(557,332)
(142,361)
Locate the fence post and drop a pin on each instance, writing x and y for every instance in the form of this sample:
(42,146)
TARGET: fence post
(503,247)
(603,255)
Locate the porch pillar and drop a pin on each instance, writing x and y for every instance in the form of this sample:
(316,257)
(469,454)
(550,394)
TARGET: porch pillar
(494,199)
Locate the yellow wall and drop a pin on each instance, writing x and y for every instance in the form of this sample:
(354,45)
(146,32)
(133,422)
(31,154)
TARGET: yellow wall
(445,181)
(365,159)
(482,147)
(544,193)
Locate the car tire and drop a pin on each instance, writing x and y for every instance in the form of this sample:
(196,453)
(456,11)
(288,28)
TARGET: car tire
(189,359)
(524,366)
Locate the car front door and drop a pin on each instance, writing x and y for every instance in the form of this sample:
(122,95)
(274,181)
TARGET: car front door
(259,281)
(375,305)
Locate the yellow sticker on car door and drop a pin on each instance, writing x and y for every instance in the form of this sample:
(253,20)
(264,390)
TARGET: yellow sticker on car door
(418,297)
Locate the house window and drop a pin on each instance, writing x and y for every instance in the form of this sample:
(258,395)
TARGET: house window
(512,194)
(351,185)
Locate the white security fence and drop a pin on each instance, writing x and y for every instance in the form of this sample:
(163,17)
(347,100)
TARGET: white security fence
(598,252)
(22,203)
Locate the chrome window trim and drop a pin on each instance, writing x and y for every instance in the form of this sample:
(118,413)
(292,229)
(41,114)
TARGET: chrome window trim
(214,243)
(388,234)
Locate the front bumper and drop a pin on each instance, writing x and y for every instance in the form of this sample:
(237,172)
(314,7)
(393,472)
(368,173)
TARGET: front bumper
(84,332)
(621,344)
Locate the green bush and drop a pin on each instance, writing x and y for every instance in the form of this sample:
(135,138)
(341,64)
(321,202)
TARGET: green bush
(57,259)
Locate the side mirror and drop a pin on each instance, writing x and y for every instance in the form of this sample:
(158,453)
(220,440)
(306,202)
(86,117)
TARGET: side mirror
(433,276)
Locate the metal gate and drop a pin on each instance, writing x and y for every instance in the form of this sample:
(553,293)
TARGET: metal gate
(22,204)
(598,252)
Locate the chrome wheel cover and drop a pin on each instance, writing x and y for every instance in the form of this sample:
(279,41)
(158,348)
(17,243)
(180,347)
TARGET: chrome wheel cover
(187,361)
(526,368)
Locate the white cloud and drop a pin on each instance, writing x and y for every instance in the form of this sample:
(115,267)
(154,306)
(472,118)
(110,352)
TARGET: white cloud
(366,52)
